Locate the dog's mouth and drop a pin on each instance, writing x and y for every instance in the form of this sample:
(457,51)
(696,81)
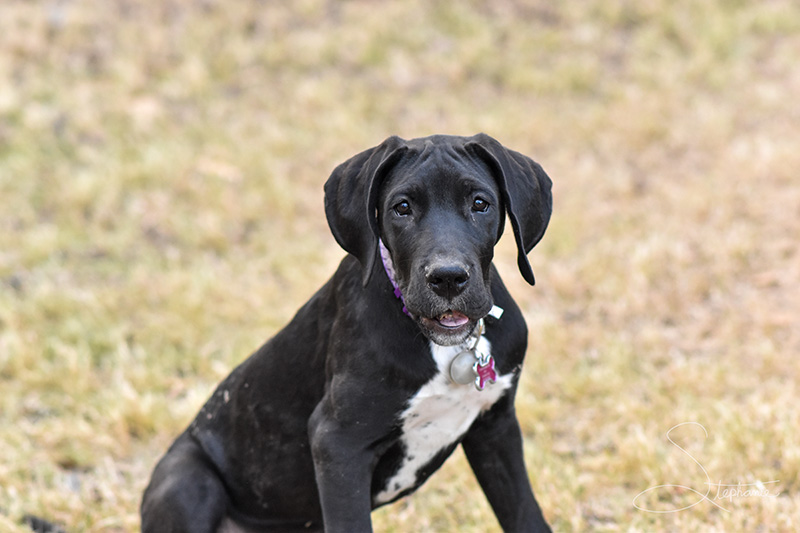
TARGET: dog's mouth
(450,319)
(448,328)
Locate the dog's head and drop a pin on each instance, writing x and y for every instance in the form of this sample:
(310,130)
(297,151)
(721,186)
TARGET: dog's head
(439,204)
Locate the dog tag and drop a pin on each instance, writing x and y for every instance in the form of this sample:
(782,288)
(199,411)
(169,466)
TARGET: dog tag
(472,365)
(484,368)
(462,368)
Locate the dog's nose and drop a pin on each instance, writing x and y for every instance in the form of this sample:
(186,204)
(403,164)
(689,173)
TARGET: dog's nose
(448,281)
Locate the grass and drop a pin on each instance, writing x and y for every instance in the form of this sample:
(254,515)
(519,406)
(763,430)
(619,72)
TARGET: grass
(161,171)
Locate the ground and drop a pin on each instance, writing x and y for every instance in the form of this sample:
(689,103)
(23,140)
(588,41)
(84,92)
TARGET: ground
(161,171)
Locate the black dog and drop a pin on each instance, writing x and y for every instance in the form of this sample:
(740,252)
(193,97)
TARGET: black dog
(366,392)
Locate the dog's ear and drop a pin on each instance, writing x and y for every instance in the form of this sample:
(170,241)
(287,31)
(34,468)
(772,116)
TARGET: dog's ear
(526,192)
(351,198)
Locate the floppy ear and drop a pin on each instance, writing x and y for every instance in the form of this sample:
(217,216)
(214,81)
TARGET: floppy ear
(351,198)
(526,192)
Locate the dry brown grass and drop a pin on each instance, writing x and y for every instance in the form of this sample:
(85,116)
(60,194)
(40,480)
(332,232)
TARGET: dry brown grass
(161,166)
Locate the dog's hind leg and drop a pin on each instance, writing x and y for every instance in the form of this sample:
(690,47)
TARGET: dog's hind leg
(185,493)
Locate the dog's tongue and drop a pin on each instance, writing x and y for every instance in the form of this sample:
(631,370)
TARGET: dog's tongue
(453,319)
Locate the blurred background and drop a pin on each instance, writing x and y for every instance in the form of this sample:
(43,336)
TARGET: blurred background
(161,172)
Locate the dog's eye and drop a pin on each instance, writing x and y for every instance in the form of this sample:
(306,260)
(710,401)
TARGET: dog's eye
(480,205)
(403,208)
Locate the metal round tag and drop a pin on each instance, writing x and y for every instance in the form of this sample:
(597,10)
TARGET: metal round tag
(462,368)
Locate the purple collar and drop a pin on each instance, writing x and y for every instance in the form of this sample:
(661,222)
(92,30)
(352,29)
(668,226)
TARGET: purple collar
(388,266)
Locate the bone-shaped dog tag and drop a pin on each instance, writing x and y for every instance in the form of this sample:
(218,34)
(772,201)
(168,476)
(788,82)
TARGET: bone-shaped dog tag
(484,368)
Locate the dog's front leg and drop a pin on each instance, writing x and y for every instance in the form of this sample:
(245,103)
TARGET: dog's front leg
(343,468)
(493,447)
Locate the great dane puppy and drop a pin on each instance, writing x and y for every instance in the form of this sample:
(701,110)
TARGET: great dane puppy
(413,347)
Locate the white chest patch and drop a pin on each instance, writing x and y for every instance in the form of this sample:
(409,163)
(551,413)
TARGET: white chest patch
(439,415)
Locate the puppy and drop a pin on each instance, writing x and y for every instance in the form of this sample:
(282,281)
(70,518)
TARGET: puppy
(413,347)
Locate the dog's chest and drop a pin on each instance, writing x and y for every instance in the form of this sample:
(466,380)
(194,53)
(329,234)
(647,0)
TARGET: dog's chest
(437,416)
